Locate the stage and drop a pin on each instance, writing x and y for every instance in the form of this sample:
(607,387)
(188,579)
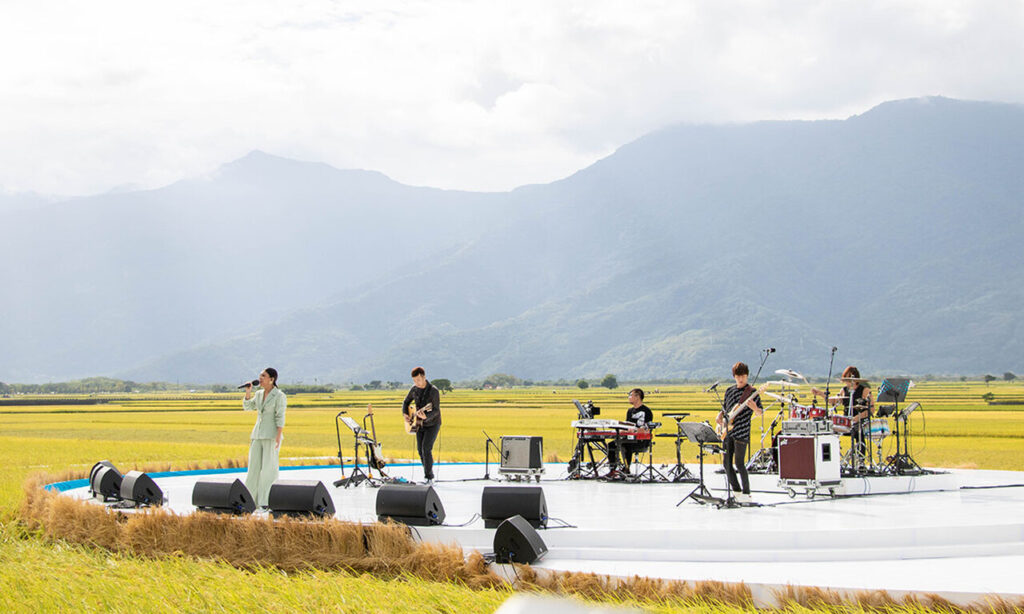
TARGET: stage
(958,534)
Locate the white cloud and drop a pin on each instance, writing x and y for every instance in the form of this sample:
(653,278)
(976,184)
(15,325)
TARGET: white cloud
(474,95)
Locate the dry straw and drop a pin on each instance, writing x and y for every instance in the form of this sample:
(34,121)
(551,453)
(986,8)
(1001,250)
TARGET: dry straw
(388,550)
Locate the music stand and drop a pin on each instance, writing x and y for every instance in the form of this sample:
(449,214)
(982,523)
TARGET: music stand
(704,436)
(894,390)
(362,438)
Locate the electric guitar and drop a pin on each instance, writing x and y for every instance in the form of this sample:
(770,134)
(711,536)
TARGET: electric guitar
(413,421)
(724,421)
(376,456)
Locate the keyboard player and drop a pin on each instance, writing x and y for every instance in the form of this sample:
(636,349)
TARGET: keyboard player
(639,415)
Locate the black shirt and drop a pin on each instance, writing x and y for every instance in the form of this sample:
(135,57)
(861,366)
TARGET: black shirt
(858,394)
(740,429)
(640,416)
(422,396)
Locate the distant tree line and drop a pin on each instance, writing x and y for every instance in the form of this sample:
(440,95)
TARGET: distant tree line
(91,385)
(108,385)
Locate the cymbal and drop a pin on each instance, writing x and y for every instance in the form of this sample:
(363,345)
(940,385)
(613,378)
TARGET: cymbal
(853,379)
(777,397)
(782,383)
(790,373)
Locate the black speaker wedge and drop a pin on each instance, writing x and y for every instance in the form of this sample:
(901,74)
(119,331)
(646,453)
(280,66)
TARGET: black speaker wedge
(516,541)
(139,488)
(105,481)
(498,503)
(300,498)
(223,496)
(409,504)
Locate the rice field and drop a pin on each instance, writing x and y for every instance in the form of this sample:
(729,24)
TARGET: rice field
(956,428)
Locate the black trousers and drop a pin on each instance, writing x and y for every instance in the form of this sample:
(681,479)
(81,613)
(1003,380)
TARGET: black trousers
(735,460)
(425,438)
(627,448)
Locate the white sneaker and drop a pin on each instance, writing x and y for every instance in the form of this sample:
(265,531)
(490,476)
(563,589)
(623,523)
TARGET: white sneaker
(742,498)
(428,482)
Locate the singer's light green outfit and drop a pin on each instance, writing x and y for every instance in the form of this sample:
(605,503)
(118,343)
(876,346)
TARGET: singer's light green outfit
(263,450)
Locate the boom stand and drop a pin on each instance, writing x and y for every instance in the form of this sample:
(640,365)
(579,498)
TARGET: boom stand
(487,456)
(704,436)
(764,461)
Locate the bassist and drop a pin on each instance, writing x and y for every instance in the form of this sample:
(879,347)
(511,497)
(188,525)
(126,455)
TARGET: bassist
(421,395)
(741,402)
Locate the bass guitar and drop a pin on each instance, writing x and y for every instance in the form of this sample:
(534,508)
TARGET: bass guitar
(724,421)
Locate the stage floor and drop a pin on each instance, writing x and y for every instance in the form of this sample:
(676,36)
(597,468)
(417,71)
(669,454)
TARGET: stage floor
(958,534)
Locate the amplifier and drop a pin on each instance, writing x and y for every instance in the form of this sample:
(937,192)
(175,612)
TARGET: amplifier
(522,455)
(806,427)
(812,459)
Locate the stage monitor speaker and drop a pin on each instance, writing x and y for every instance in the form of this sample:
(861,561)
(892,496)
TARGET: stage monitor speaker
(409,504)
(105,481)
(300,498)
(223,496)
(516,541)
(521,452)
(499,503)
(139,488)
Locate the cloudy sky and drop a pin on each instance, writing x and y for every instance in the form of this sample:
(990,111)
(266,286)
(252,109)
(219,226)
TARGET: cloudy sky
(474,95)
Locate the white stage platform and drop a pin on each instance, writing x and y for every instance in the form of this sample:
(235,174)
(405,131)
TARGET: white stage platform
(957,534)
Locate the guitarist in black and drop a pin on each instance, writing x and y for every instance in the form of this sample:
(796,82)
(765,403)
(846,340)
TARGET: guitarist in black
(739,405)
(422,394)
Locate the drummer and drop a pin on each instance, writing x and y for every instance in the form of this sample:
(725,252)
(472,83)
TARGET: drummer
(857,392)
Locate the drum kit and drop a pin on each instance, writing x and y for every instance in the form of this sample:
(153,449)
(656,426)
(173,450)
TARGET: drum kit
(795,418)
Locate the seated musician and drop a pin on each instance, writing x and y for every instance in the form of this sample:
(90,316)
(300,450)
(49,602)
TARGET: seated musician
(855,392)
(738,407)
(641,416)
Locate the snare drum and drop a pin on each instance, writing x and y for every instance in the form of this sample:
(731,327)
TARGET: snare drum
(805,412)
(878,429)
(841,424)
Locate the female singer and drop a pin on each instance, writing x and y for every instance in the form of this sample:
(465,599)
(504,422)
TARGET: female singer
(265,442)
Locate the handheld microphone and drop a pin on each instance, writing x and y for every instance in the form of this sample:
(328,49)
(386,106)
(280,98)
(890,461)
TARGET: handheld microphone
(254,382)
(712,387)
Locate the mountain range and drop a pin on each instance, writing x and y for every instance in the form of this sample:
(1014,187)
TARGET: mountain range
(893,235)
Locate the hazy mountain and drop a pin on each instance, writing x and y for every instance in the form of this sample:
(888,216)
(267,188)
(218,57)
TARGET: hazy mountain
(100,284)
(892,234)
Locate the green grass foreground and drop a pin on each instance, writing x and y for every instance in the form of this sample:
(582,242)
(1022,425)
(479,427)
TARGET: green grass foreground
(957,429)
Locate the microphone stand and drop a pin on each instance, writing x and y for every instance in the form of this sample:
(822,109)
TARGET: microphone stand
(765,353)
(488,443)
(828,382)
(487,457)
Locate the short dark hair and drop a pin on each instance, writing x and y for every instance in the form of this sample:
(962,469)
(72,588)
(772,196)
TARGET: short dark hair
(740,368)
(272,373)
(639,393)
(418,371)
